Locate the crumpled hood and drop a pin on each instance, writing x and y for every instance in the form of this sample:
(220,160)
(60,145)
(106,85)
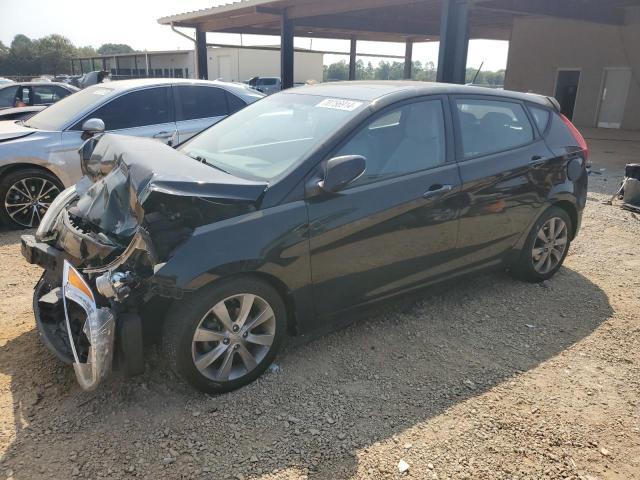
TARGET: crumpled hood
(142,168)
(10,130)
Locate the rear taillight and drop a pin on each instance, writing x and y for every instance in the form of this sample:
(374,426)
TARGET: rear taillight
(582,143)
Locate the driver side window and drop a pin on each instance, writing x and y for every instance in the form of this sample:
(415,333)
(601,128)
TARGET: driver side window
(404,140)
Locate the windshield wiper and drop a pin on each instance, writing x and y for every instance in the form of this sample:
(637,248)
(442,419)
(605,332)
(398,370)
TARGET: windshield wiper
(204,160)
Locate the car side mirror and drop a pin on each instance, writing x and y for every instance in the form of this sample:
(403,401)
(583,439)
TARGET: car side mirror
(341,171)
(93,126)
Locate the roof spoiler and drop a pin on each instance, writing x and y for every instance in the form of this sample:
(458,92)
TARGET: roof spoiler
(554,103)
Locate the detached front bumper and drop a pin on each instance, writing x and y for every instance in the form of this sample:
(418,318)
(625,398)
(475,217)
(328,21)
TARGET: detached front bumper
(69,321)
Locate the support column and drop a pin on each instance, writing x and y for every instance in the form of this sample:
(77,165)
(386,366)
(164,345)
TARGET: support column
(146,63)
(104,64)
(117,66)
(454,41)
(135,65)
(352,59)
(202,69)
(408,59)
(286,51)
(73,70)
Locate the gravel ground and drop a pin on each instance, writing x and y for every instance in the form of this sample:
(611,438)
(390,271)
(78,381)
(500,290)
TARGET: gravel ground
(486,379)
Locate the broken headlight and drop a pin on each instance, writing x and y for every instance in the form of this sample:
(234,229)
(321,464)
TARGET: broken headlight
(50,217)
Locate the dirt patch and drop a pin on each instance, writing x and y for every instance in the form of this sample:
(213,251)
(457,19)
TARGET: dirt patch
(488,378)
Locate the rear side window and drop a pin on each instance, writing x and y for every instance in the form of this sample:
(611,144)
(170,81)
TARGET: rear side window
(43,95)
(200,102)
(490,126)
(235,103)
(541,116)
(135,109)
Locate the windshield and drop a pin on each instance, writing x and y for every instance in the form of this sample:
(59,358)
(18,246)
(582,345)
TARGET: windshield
(269,137)
(58,115)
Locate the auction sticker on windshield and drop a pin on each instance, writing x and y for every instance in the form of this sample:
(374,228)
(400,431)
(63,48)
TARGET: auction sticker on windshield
(339,104)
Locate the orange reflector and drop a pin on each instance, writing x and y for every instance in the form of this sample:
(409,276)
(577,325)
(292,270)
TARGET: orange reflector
(75,280)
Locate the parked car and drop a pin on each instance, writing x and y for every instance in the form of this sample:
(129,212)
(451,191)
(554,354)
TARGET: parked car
(5,80)
(20,113)
(89,78)
(28,94)
(288,214)
(39,155)
(266,85)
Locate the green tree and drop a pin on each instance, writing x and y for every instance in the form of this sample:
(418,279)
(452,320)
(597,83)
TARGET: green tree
(22,56)
(114,48)
(337,71)
(87,51)
(55,53)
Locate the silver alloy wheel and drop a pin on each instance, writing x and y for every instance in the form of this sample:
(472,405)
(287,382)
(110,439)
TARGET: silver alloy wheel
(28,199)
(550,245)
(233,337)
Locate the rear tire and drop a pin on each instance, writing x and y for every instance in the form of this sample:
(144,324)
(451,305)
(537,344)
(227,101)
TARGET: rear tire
(546,247)
(225,336)
(25,196)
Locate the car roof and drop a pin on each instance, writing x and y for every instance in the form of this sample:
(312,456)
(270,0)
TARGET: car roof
(37,84)
(144,82)
(394,90)
(118,86)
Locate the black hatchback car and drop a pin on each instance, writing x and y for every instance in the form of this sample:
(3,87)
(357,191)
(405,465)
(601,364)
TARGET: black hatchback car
(301,206)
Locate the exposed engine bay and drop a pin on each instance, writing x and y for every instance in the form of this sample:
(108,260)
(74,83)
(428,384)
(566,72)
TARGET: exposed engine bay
(103,241)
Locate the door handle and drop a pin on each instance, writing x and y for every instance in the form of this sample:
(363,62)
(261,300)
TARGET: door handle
(537,161)
(437,191)
(164,135)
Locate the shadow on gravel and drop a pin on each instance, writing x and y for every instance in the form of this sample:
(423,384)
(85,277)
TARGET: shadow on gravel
(10,237)
(398,365)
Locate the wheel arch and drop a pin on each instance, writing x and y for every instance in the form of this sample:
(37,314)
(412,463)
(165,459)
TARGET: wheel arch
(15,167)
(280,287)
(572,211)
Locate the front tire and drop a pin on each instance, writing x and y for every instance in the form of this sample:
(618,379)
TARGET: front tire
(225,336)
(546,247)
(25,196)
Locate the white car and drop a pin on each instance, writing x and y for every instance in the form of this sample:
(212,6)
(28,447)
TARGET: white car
(39,157)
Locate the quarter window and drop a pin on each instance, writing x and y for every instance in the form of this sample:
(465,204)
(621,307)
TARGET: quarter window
(201,102)
(235,103)
(541,116)
(492,126)
(135,109)
(404,140)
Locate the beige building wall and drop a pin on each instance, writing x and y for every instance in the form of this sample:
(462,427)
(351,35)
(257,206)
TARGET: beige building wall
(184,60)
(540,47)
(239,65)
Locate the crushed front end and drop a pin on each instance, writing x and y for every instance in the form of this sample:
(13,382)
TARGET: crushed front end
(102,241)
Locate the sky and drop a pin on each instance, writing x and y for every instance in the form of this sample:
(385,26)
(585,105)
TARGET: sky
(134,22)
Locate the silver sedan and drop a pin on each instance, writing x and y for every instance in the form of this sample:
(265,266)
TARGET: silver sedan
(39,156)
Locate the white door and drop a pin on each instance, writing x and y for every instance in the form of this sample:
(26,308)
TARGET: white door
(224,68)
(614,97)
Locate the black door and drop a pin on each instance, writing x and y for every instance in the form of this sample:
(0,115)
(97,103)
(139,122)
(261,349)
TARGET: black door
(503,164)
(567,91)
(395,226)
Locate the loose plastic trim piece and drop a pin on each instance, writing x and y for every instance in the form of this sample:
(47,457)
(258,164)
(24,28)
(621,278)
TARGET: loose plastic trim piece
(99,328)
